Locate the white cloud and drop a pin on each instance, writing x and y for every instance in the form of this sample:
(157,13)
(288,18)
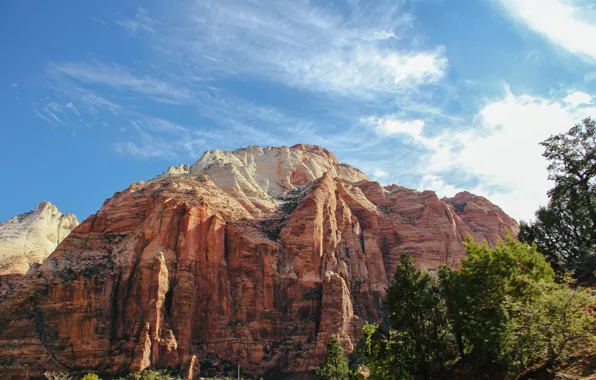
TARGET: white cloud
(323,49)
(438,185)
(503,151)
(119,78)
(567,23)
(141,22)
(156,124)
(57,113)
(392,125)
(380,174)
(590,76)
(577,98)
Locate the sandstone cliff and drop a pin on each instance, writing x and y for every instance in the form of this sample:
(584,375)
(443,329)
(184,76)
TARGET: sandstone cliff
(256,256)
(27,239)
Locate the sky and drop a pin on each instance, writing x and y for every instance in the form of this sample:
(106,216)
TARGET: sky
(445,95)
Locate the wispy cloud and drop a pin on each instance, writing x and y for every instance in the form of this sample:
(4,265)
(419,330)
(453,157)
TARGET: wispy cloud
(119,78)
(353,53)
(141,22)
(57,113)
(570,24)
(158,138)
(50,120)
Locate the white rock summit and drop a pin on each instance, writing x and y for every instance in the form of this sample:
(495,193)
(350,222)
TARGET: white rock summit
(29,238)
(260,177)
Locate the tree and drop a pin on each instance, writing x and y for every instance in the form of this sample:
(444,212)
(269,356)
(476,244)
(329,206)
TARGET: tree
(454,294)
(548,327)
(377,354)
(475,295)
(420,341)
(565,230)
(335,366)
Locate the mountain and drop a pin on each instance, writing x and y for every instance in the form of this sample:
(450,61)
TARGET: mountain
(27,239)
(254,257)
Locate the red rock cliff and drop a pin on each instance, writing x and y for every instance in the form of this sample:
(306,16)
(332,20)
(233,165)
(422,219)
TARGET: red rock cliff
(258,273)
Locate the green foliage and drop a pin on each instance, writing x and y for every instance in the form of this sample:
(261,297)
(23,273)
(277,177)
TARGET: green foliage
(476,295)
(505,307)
(548,327)
(151,375)
(420,340)
(335,366)
(57,376)
(91,376)
(565,230)
(377,355)
(418,343)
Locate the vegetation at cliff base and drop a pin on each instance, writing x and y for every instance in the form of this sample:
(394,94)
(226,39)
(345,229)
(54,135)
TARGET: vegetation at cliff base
(335,366)
(503,308)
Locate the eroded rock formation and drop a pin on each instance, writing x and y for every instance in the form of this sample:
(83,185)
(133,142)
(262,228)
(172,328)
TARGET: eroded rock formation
(256,256)
(28,239)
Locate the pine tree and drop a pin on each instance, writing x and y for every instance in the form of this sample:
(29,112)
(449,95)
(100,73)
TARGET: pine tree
(335,366)
(418,317)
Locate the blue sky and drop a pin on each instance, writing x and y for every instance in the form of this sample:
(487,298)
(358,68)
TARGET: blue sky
(446,95)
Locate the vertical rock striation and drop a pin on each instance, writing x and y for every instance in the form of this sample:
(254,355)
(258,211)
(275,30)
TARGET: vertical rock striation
(257,257)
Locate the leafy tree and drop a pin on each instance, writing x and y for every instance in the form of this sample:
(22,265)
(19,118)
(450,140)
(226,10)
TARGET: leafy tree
(476,294)
(377,353)
(454,295)
(565,230)
(335,366)
(420,340)
(91,376)
(548,327)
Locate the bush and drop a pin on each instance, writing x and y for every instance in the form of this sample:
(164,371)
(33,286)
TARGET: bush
(151,375)
(57,376)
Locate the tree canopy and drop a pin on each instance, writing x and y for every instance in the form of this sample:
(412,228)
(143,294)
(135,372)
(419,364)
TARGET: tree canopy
(335,366)
(565,229)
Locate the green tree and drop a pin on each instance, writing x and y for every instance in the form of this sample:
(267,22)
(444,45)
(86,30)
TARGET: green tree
(476,295)
(549,327)
(456,305)
(335,366)
(377,354)
(91,376)
(565,230)
(420,340)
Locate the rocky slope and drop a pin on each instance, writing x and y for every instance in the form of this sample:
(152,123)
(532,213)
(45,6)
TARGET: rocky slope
(27,239)
(256,256)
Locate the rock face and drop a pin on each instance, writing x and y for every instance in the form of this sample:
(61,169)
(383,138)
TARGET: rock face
(256,256)
(27,239)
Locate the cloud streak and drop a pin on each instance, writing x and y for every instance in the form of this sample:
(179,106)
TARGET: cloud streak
(566,23)
(117,77)
(355,53)
(141,22)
